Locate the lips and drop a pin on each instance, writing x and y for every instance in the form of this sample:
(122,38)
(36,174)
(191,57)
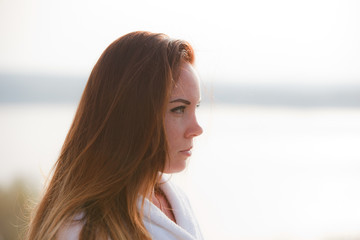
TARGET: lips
(187,151)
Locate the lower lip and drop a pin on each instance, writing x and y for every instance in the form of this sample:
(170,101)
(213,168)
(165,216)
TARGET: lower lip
(187,153)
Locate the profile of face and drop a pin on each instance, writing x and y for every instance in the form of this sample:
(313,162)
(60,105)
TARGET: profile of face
(181,125)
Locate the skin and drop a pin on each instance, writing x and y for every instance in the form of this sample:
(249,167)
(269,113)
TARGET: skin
(181,125)
(181,128)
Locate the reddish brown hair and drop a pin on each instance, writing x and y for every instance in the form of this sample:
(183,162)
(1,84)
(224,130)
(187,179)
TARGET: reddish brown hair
(116,146)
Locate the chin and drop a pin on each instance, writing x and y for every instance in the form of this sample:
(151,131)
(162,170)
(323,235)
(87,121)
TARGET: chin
(175,169)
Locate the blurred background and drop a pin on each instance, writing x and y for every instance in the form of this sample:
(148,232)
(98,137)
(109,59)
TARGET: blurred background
(280,156)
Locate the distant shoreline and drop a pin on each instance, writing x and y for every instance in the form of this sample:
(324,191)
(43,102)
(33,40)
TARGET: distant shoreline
(17,88)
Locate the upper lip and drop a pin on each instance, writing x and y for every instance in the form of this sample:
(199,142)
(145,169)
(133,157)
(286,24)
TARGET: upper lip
(188,149)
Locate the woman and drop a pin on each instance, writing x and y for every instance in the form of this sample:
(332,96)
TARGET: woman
(135,121)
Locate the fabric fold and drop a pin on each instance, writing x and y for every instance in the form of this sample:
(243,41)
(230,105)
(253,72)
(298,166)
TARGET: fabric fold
(156,222)
(161,227)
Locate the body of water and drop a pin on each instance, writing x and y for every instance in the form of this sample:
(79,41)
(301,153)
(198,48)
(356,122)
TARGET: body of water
(256,172)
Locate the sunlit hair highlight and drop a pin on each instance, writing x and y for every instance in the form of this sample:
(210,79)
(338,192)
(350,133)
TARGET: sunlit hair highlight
(116,146)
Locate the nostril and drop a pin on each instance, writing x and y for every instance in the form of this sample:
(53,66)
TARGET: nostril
(194,131)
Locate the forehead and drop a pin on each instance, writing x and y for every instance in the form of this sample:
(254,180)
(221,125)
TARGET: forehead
(188,83)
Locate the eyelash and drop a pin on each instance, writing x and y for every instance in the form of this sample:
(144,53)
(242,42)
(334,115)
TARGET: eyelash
(181,109)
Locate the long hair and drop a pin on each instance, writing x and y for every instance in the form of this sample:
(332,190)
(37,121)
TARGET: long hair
(116,145)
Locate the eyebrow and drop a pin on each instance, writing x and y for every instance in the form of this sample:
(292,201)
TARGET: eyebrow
(181,100)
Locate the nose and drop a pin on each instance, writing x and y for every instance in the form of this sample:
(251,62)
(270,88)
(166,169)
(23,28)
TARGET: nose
(194,129)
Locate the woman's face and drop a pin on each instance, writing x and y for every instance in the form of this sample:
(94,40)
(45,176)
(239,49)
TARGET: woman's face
(181,125)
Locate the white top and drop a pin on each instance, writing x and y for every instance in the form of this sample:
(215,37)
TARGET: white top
(156,222)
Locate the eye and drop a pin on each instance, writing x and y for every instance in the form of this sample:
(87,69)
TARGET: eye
(179,109)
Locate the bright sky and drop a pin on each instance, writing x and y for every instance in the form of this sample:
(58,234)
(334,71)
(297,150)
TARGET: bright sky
(255,40)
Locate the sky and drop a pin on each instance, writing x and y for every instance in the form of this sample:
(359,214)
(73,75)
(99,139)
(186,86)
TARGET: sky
(307,41)
(256,41)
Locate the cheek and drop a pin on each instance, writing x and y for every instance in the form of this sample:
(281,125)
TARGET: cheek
(173,131)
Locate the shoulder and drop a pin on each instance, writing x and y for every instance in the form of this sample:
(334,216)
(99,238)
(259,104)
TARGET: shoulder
(71,229)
